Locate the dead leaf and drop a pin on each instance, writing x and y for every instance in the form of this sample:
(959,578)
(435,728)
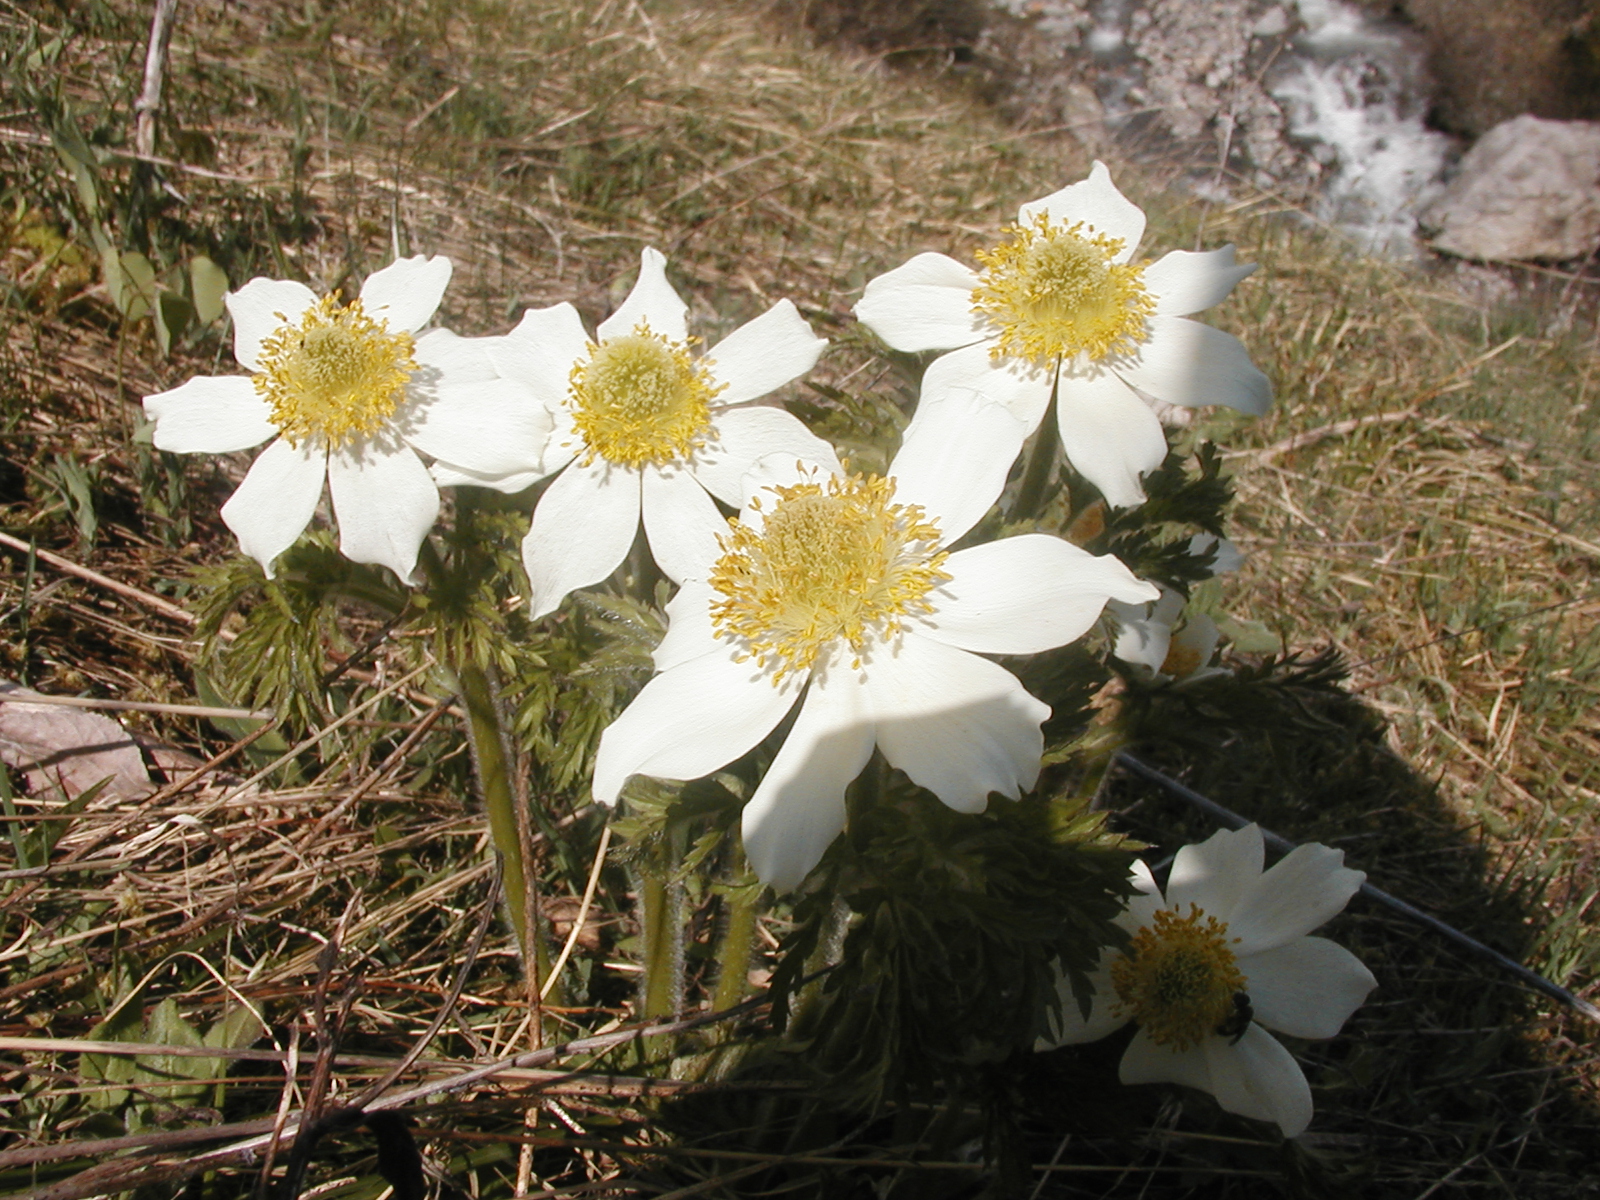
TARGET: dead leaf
(69,749)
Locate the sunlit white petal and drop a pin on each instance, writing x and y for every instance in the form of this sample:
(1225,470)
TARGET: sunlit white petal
(259,309)
(652,301)
(799,807)
(688,721)
(276,500)
(681,522)
(925,304)
(406,293)
(1256,1077)
(690,632)
(581,531)
(210,414)
(1187,363)
(1096,202)
(1186,281)
(384,501)
(742,437)
(1110,436)
(1024,594)
(493,428)
(764,354)
(958,725)
(542,350)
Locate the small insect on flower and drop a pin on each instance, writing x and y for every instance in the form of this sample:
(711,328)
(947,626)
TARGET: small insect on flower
(1234,1025)
(1214,964)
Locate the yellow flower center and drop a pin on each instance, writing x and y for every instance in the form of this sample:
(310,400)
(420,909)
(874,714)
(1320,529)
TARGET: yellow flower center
(337,375)
(1182,659)
(1053,292)
(1178,978)
(640,399)
(833,561)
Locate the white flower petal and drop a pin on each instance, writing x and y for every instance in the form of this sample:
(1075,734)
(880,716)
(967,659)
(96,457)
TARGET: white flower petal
(406,293)
(1187,363)
(652,300)
(1096,202)
(1070,1027)
(1146,1062)
(276,500)
(799,808)
(1142,639)
(743,436)
(1215,873)
(542,350)
(444,355)
(1024,594)
(1109,435)
(384,501)
(492,428)
(259,309)
(1307,988)
(581,531)
(1186,281)
(1197,640)
(924,304)
(1146,900)
(447,475)
(1257,1077)
(1226,555)
(682,523)
(958,725)
(210,414)
(971,374)
(690,631)
(957,452)
(689,721)
(1305,888)
(764,354)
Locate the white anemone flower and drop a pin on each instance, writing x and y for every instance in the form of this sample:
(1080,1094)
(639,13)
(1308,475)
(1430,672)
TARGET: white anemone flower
(1060,308)
(835,592)
(1159,637)
(1218,961)
(644,428)
(349,394)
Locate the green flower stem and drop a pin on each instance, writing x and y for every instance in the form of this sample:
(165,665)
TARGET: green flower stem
(1041,460)
(738,941)
(492,765)
(662,936)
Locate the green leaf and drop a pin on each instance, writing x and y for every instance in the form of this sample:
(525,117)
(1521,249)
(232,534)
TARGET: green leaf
(208,284)
(173,314)
(1250,637)
(75,156)
(166,1027)
(135,291)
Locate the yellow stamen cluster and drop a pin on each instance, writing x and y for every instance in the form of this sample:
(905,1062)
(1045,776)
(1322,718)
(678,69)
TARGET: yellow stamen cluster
(338,375)
(1178,978)
(833,561)
(640,399)
(1053,292)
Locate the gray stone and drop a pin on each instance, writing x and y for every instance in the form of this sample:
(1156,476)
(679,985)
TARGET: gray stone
(1530,189)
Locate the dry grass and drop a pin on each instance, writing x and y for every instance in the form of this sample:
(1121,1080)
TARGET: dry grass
(1423,475)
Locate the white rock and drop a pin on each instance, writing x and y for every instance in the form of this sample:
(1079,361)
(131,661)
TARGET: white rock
(1530,188)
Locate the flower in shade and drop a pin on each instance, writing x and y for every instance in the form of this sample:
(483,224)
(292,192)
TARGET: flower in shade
(1161,638)
(1060,308)
(1218,961)
(836,592)
(645,428)
(347,393)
